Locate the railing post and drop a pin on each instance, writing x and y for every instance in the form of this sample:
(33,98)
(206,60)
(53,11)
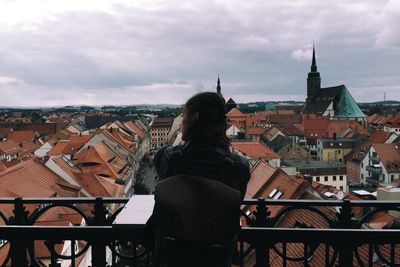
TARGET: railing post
(345,222)
(19,243)
(261,220)
(99,245)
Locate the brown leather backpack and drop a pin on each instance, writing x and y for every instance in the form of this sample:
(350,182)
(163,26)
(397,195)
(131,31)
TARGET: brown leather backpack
(197,219)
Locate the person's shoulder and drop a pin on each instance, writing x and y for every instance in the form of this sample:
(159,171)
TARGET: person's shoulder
(240,161)
(166,151)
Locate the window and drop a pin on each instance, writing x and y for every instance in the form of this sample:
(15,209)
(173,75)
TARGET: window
(341,188)
(362,165)
(362,176)
(326,178)
(341,177)
(392,177)
(334,177)
(317,179)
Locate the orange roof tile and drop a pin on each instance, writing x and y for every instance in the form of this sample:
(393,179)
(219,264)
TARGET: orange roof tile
(254,150)
(389,154)
(58,148)
(22,136)
(234,113)
(32,179)
(259,176)
(135,127)
(10,147)
(255,131)
(338,126)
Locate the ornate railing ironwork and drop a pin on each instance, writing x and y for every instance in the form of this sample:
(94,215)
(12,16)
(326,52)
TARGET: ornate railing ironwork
(273,233)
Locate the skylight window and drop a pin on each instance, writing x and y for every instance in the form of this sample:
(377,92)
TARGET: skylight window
(275,194)
(278,195)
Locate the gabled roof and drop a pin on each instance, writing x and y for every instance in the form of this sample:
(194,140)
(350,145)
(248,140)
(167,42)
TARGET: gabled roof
(135,127)
(291,129)
(323,99)
(5,131)
(10,147)
(378,119)
(234,113)
(394,122)
(97,186)
(389,154)
(338,126)
(101,160)
(255,131)
(254,150)
(347,107)
(32,179)
(343,103)
(22,136)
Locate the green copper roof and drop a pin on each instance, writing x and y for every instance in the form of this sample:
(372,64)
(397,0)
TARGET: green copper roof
(346,107)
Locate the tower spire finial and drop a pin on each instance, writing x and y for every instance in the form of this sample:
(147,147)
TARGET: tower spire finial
(218,86)
(313,64)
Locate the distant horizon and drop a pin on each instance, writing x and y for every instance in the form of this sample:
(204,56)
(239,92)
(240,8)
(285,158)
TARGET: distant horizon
(162,104)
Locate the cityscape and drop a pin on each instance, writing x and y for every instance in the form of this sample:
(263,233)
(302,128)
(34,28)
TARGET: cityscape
(324,186)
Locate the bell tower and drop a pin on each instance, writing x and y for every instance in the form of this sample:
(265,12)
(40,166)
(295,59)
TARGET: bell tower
(313,80)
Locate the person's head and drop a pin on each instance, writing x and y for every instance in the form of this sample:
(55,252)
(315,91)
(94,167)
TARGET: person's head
(204,117)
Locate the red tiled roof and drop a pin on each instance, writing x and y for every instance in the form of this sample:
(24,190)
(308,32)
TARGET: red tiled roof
(234,113)
(22,136)
(101,160)
(5,131)
(255,131)
(315,125)
(10,147)
(32,179)
(58,148)
(254,150)
(389,154)
(394,121)
(338,126)
(135,127)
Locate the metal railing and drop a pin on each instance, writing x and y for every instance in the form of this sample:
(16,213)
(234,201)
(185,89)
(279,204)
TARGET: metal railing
(374,169)
(273,233)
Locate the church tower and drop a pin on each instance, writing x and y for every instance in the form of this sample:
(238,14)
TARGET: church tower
(313,80)
(219,86)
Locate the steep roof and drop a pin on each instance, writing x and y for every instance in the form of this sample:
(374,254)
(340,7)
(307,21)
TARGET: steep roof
(135,127)
(389,154)
(343,103)
(22,136)
(323,99)
(10,147)
(338,126)
(255,131)
(235,113)
(254,150)
(347,107)
(32,179)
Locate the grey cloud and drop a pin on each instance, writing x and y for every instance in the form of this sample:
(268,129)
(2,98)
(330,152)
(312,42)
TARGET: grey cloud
(251,44)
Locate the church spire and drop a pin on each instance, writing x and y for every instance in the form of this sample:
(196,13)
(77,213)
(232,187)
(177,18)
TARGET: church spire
(218,86)
(313,80)
(313,64)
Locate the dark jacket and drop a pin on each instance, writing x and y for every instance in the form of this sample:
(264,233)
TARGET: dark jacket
(199,158)
(203,159)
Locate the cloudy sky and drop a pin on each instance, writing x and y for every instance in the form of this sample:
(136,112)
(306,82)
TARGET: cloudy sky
(62,52)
